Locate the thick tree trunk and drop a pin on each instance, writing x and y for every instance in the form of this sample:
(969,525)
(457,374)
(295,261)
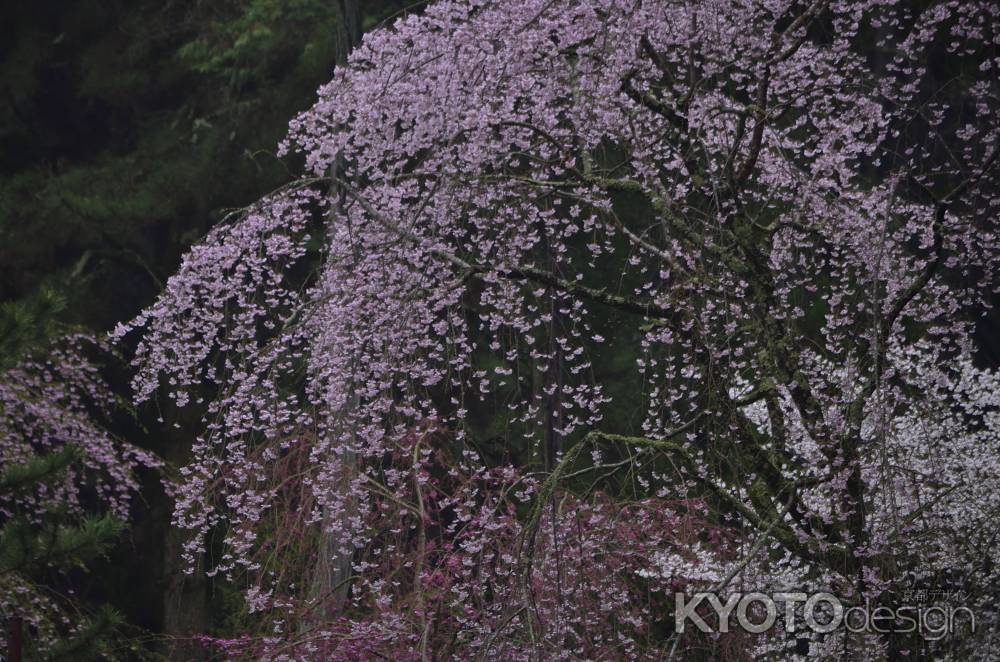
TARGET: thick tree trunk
(348,27)
(332,572)
(185,596)
(15,629)
(185,602)
(331,575)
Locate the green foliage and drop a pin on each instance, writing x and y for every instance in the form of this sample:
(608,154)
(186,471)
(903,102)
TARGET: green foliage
(37,469)
(91,642)
(26,324)
(27,545)
(31,545)
(128,128)
(239,46)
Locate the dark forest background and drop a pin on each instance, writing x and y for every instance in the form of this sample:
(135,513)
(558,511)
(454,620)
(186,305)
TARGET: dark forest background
(126,130)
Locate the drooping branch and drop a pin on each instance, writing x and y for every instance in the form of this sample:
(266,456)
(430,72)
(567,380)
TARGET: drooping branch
(941,208)
(832,556)
(468,269)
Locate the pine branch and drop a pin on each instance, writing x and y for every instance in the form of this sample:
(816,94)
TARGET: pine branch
(37,469)
(26,324)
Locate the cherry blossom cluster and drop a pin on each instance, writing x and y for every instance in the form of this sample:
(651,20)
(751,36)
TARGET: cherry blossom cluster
(55,401)
(783,209)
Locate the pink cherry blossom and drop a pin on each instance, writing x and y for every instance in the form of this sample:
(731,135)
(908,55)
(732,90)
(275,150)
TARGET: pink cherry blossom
(790,226)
